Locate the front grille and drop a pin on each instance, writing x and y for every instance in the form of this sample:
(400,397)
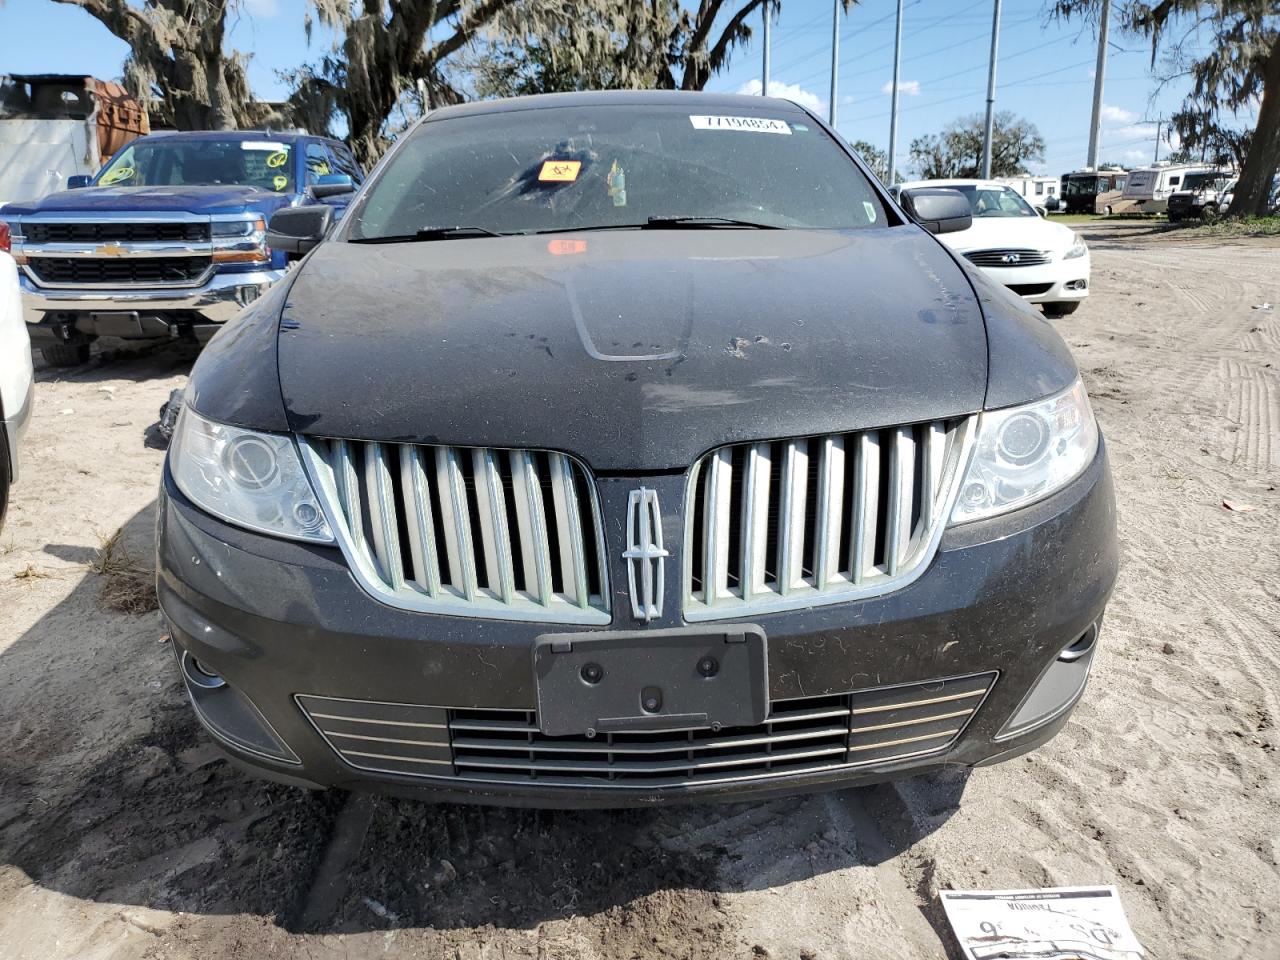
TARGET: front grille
(163,231)
(1029,289)
(792,523)
(506,534)
(811,734)
(125,271)
(1005,258)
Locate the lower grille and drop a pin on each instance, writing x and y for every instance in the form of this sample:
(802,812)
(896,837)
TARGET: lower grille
(1004,258)
(1029,289)
(126,271)
(807,735)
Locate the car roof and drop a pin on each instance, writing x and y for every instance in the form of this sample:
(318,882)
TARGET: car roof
(955,182)
(691,100)
(289,137)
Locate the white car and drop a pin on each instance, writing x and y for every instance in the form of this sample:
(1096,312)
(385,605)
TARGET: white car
(1040,261)
(16,383)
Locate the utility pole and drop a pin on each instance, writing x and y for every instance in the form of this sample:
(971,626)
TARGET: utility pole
(835,60)
(1159,124)
(764,66)
(893,114)
(1099,74)
(991,92)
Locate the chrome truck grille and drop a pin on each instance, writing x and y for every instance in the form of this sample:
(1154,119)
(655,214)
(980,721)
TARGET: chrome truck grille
(795,523)
(480,532)
(1009,258)
(808,735)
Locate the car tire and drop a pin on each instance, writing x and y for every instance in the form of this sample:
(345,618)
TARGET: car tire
(1107,210)
(65,354)
(1064,309)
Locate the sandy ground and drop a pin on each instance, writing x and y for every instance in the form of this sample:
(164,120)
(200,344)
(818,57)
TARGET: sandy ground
(123,836)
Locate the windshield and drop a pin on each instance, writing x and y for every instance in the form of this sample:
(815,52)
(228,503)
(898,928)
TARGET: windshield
(1081,186)
(575,168)
(1199,181)
(995,201)
(177,161)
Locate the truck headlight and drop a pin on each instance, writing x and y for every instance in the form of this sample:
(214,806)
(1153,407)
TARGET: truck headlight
(253,480)
(1023,454)
(1077,249)
(240,241)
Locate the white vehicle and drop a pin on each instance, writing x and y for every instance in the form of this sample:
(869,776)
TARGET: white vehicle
(16,384)
(1040,261)
(1150,188)
(1036,190)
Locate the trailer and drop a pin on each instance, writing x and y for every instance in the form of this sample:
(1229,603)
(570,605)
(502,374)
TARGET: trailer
(1095,191)
(57,126)
(1150,188)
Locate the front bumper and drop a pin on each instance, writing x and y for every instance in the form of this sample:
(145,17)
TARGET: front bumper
(284,624)
(58,315)
(1058,282)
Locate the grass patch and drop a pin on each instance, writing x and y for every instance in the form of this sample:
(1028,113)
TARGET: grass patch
(32,572)
(129,586)
(1227,228)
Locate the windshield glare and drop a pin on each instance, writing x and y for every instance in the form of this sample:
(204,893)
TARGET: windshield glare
(174,162)
(573,168)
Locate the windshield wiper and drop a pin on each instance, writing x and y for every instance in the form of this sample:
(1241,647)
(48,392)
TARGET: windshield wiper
(704,223)
(432,233)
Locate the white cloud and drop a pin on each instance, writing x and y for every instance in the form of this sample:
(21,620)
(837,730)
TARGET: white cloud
(786,91)
(908,88)
(1112,114)
(1136,156)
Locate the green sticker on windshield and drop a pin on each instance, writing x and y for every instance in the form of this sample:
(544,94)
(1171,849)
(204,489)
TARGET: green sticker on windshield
(280,181)
(115,176)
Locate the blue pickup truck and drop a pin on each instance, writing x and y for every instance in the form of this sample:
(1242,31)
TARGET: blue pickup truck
(169,238)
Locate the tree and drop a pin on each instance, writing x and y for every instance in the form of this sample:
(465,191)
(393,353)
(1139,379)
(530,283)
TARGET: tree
(384,52)
(874,157)
(1240,68)
(957,151)
(177,61)
(544,46)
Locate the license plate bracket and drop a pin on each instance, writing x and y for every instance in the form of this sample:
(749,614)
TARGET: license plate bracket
(684,678)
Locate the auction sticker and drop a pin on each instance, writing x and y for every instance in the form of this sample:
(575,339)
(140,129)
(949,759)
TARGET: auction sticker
(559,171)
(745,124)
(1062,923)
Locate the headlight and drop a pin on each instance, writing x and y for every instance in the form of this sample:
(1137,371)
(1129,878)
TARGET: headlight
(1023,454)
(254,480)
(1078,249)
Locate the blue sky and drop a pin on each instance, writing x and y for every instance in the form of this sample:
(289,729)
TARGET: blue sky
(1044,70)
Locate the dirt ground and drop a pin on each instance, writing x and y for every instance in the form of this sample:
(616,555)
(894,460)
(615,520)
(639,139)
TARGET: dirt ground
(122,835)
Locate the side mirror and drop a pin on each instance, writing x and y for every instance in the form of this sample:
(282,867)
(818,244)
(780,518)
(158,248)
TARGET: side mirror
(299,229)
(78,181)
(938,209)
(332,185)
(1042,211)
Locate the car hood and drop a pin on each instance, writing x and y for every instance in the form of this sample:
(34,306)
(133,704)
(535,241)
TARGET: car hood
(1034,233)
(195,200)
(634,350)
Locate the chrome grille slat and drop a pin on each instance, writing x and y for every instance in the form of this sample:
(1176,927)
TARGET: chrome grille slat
(830,732)
(420,520)
(755,520)
(382,514)
(819,519)
(457,522)
(531,518)
(466,531)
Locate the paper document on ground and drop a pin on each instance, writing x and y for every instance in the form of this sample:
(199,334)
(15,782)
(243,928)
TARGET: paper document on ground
(1066,923)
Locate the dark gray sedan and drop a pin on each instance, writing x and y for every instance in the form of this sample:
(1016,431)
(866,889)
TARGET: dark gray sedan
(625,448)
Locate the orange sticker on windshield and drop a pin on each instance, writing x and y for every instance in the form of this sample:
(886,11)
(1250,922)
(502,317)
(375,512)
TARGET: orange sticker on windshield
(559,171)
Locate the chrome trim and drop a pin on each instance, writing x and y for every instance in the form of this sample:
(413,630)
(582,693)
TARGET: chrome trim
(377,562)
(199,281)
(945,461)
(470,769)
(223,296)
